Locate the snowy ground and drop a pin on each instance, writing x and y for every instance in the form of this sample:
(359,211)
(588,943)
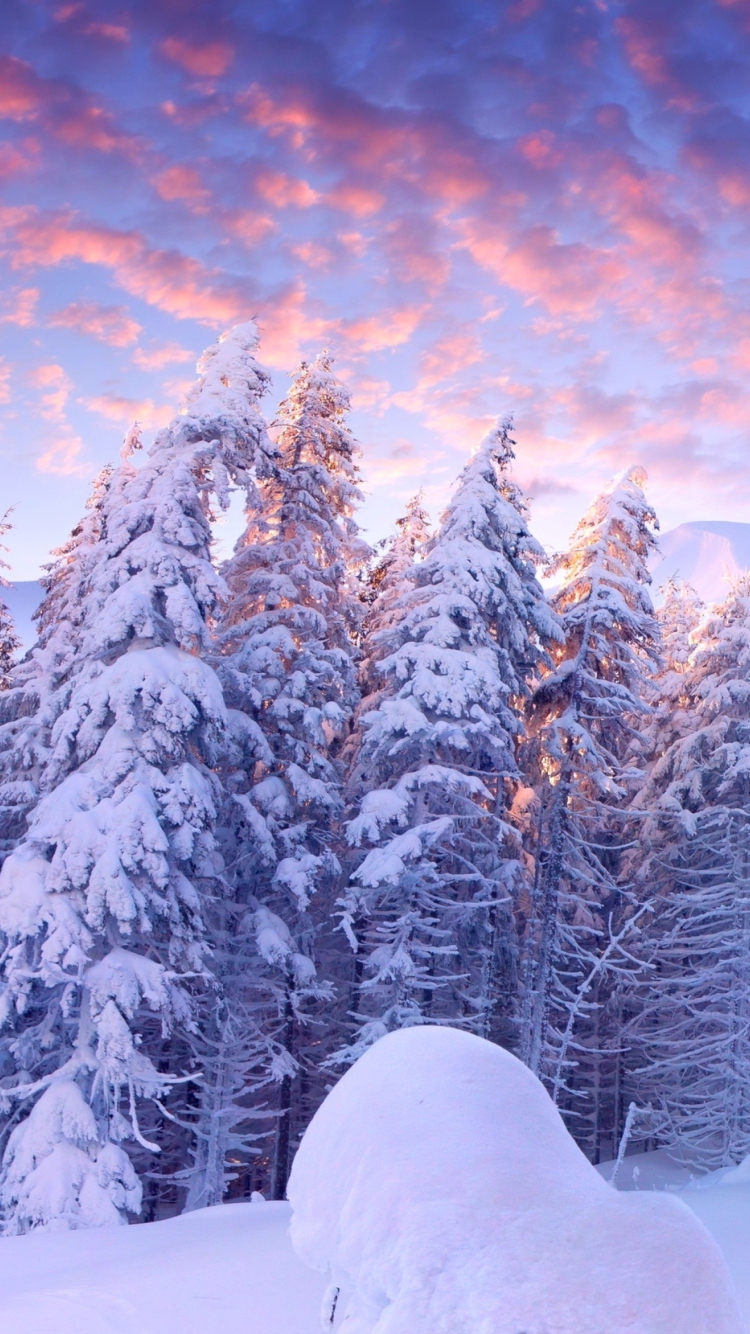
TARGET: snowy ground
(232,1270)
(229,1270)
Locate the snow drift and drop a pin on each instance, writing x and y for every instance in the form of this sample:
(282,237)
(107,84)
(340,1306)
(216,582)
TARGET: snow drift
(441,1193)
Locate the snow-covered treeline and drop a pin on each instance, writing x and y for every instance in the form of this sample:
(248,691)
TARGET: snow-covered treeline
(254,817)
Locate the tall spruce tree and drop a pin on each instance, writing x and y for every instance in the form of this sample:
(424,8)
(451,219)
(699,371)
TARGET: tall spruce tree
(289,677)
(389,578)
(38,687)
(9,641)
(390,575)
(101,902)
(584,720)
(430,908)
(691,1026)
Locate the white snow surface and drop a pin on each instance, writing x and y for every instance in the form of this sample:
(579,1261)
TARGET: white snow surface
(439,1191)
(226,1270)
(232,1270)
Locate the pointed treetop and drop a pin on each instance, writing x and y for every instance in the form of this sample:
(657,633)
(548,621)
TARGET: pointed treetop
(498,444)
(399,554)
(311,422)
(221,419)
(132,442)
(620,519)
(230,377)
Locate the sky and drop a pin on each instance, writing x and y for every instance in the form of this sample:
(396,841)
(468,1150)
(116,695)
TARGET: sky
(536,208)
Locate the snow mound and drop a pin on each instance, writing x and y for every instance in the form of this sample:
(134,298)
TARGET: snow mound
(439,1190)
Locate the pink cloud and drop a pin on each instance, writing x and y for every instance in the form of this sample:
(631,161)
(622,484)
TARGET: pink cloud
(645,52)
(282,190)
(13,161)
(313,255)
(109,32)
(359,200)
(541,149)
(118,408)
(205,60)
(62,458)
(166,279)
(415,251)
(64,111)
(183,183)
(291,116)
(22,92)
(160,357)
(388,145)
(355,242)
(367,392)
(93,127)
(5,394)
(250,228)
(53,379)
(110,324)
(567,278)
(289,329)
(389,328)
(19,307)
(449,356)
(594,414)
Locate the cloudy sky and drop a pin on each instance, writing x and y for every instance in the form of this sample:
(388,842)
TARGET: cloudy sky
(537,207)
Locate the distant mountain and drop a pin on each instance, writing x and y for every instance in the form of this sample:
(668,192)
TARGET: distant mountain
(22,600)
(707,554)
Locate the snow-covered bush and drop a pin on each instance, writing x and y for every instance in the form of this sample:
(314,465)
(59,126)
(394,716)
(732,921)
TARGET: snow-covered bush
(441,1193)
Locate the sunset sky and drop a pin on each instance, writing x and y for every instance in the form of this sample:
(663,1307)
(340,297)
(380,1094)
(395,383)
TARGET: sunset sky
(538,207)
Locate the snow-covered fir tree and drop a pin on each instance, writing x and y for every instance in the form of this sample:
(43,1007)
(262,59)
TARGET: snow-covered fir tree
(430,907)
(38,687)
(584,719)
(390,575)
(289,676)
(101,901)
(9,641)
(679,616)
(691,1030)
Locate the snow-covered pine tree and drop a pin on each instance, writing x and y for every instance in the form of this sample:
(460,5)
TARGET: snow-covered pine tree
(679,616)
(9,641)
(289,677)
(691,1031)
(430,907)
(101,901)
(38,687)
(390,575)
(584,718)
